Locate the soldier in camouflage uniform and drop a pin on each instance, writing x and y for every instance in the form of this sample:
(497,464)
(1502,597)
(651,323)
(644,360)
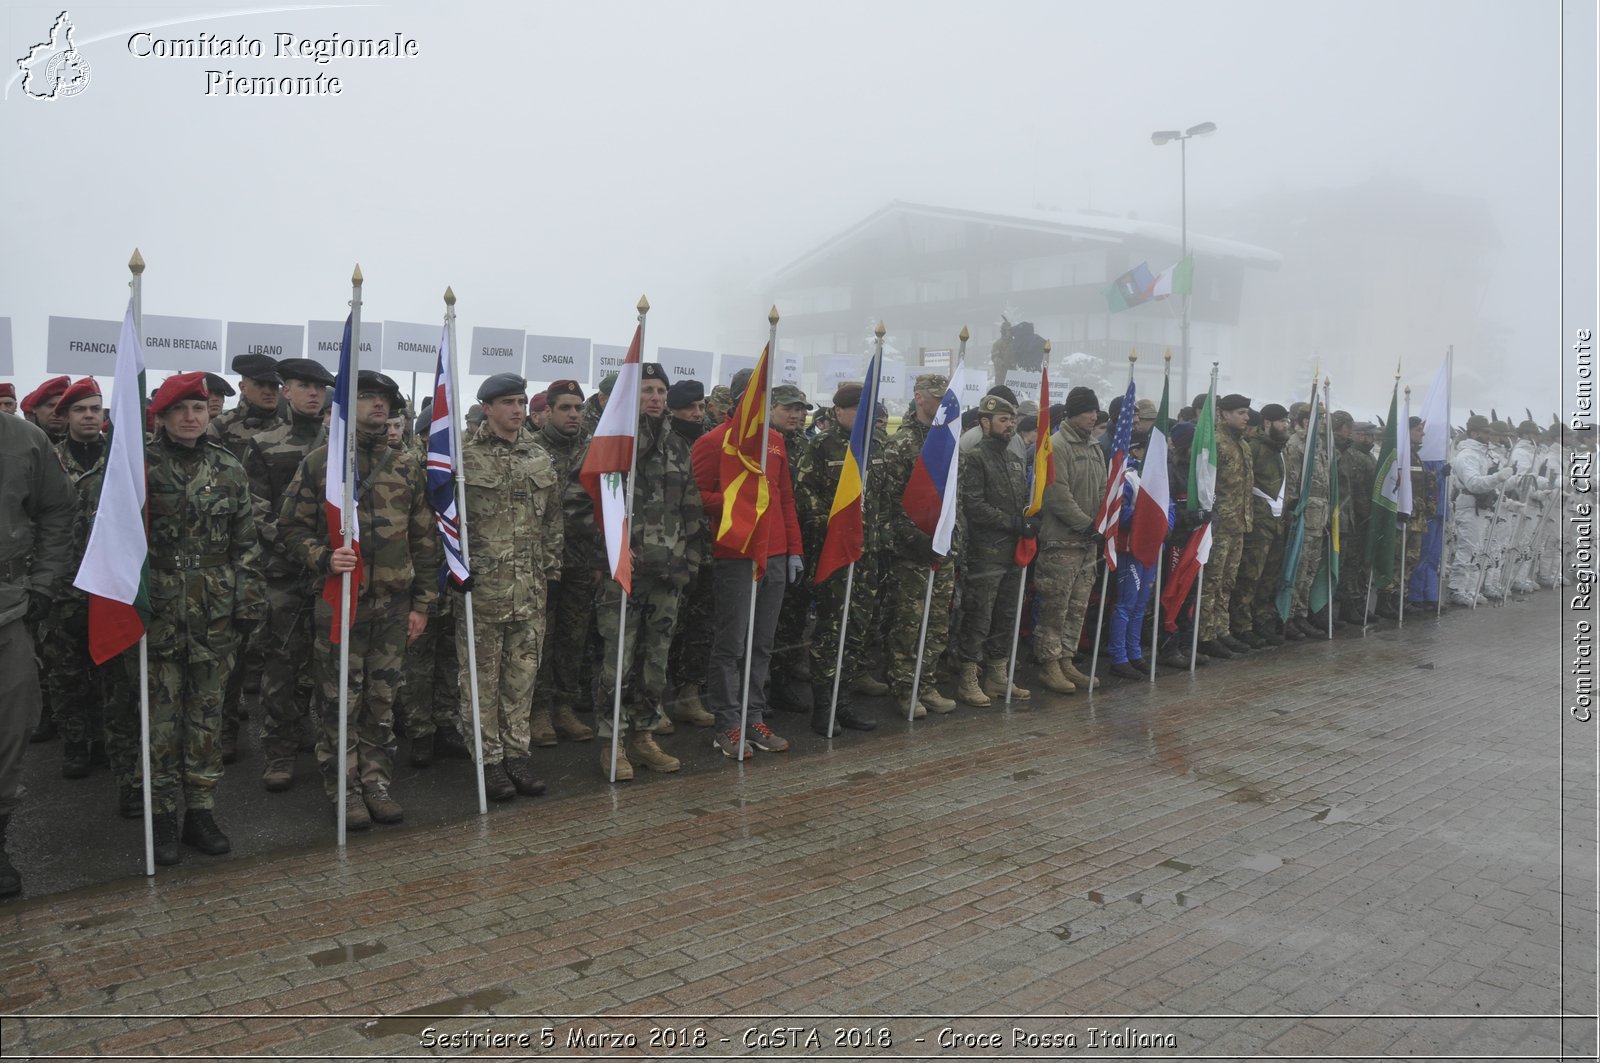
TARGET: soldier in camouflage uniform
(272,457)
(816,482)
(912,556)
(1298,625)
(1232,517)
(514,545)
(596,404)
(1357,471)
(791,667)
(1253,614)
(206,593)
(718,404)
(1424,504)
(691,642)
(43,407)
(260,404)
(1065,568)
(667,533)
(398,583)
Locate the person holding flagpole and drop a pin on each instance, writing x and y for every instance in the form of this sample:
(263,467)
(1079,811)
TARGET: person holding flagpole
(1068,545)
(1306,494)
(1231,521)
(1255,620)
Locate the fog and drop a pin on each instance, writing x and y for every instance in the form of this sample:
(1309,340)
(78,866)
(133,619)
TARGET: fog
(553,162)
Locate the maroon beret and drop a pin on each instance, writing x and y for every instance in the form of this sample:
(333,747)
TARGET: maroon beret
(81,389)
(563,387)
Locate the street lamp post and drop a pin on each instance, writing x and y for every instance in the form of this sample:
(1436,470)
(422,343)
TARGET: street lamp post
(1161,136)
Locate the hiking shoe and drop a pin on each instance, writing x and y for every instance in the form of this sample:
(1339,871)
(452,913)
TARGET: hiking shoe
(763,738)
(730,744)
(201,832)
(279,774)
(624,769)
(523,778)
(382,807)
(1123,670)
(356,816)
(497,784)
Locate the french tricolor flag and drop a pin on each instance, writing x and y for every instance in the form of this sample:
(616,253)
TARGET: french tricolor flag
(931,497)
(340,457)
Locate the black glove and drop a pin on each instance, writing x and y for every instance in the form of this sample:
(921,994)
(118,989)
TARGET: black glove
(1444,470)
(466,584)
(1099,540)
(1028,527)
(922,548)
(244,628)
(38,608)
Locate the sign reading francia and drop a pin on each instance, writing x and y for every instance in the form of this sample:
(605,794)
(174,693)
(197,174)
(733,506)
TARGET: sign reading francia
(82,346)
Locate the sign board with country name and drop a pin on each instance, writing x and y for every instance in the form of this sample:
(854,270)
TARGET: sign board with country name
(80,346)
(274,341)
(409,347)
(731,364)
(323,339)
(973,391)
(495,350)
(8,363)
(895,384)
(682,364)
(551,358)
(608,358)
(937,361)
(1024,382)
(788,368)
(182,344)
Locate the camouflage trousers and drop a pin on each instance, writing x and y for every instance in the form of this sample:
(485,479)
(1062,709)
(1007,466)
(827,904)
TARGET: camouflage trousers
(248,664)
(285,642)
(377,655)
(908,588)
(1310,558)
(430,692)
(23,701)
(647,643)
(1254,607)
(1222,572)
(691,642)
(508,662)
(185,730)
(1063,575)
(1353,567)
(570,616)
(80,690)
(988,611)
(864,603)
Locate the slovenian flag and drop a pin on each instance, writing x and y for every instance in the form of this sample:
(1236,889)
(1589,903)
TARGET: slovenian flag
(747,490)
(610,457)
(931,497)
(442,466)
(340,457)
(1154,496)
(115,572)
(1043,473)
(1110,511)
(846,521)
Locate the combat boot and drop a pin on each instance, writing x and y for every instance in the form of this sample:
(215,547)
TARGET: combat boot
(1054,679)
(381,806)
(522,777)
(787,695)
(819,714)
(624,769)
(994,682)
(356,816)
(75,760)
(130,801)
(568,726)
(642,750)
(279,774)
(422,751)
(201,832)
(447,742)
(869,685)
(164,826)
(664,725)
(968,690)
(45,730)
(10,879)
(541,732)
(690,708)
(1070,673)
(1214,648)
(934,701)
(497,784)
(229,741)
(902,698)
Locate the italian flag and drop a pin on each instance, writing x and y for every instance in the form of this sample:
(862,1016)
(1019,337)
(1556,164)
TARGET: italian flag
(610,457)
(1177,279)
(115,572)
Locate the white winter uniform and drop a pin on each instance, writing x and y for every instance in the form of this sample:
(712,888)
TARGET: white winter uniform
(1472,510)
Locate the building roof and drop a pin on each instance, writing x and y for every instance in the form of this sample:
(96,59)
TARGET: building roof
(1104,228)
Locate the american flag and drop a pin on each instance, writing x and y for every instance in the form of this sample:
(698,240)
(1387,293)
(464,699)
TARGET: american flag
(1110,511)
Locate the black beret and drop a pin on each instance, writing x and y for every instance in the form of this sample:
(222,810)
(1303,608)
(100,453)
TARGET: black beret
(500,385)
(740,381)
(215,385)
(372,380)
(1004,392)
(1415,422)
(685,393)
(563,387)
(848,395)
(1081,400)
(307,369)
(1233,402)
(653,371)
(1255,419)
(1274,412)
(259,367)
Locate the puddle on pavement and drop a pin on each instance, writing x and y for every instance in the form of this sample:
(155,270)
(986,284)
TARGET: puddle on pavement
(1336,814)
(1025,774)
(697,813)
(1426,667)
(91,921)
(1262,862)
(412,1023)
(860,776)
(1245,793)
(1096,897)
(1146,899)
(346,953)
(1177,865)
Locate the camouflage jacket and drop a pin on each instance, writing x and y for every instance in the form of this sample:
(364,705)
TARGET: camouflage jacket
(1294,457)
(668,526)
(235,427)
(86,483)
(271,459)
(794,443)
(1268,479)
(1424,496)
(591,414)
(513,525)
(904,538)
(36,513)
(205,559)
(399,543)
(1357,471)
(1232,511)
(817,480)
(1073,497)
(566,455)
(994,492)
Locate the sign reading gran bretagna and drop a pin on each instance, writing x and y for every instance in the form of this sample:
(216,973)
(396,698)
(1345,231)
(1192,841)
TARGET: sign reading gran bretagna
(318,50)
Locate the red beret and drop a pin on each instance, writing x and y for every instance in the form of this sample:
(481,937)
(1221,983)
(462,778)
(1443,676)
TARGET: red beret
(46,391)
(176,389)
(80,390)
(539,403)
(8,391)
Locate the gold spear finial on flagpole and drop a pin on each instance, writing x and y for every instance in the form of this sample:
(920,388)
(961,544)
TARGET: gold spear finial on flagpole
(355,278)
(644,305)
(136,263)
(449,296)
(1047,348)
(1168,357)
(772,315)
(880,330)
(965,335)
(1133,356)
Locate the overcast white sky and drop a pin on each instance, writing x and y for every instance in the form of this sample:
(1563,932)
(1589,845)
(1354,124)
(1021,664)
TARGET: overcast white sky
(552,161)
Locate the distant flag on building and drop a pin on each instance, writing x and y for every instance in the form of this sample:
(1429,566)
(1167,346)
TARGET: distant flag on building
(747,492)
(1043,473)
(1130,289)
(115,571)
(1154,496)
(333,496)
(609,459)
(1177,279)
(931,497)
(846,534)
(442,466)
(1109,514)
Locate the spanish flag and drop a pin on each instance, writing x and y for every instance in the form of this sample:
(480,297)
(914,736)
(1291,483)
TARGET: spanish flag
(746,491)
(1044,471)
(846,520)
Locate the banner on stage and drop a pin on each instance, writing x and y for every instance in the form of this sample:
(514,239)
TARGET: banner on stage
(409,347)
(972,391)
(682,364)
(551,358)
(323,339)
(495,350)
(82,346)
(182,344)
(274,341)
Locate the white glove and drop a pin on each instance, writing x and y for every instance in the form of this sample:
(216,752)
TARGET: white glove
(797,568)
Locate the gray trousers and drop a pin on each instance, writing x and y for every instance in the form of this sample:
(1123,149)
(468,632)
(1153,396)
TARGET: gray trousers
(731,588)
(20,705)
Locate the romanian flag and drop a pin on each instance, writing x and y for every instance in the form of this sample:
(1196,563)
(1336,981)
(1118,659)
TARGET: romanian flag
(341,459)
(115,569)
(1044,471)
(609,458)
(746,491)
(846,522)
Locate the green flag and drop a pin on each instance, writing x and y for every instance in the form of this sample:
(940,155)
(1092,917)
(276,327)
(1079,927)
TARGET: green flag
(1203,454)
(1385,500)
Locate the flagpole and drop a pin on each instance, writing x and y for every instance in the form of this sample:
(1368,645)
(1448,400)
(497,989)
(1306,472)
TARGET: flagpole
(755,567)
(346,531)
(622,613)
(1155,598)
(922,644)
(136,267)
(1439,486)
(1404,528)
(1105,581)
(1022,581)
(458,458)
(868,402)
(1333,514)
